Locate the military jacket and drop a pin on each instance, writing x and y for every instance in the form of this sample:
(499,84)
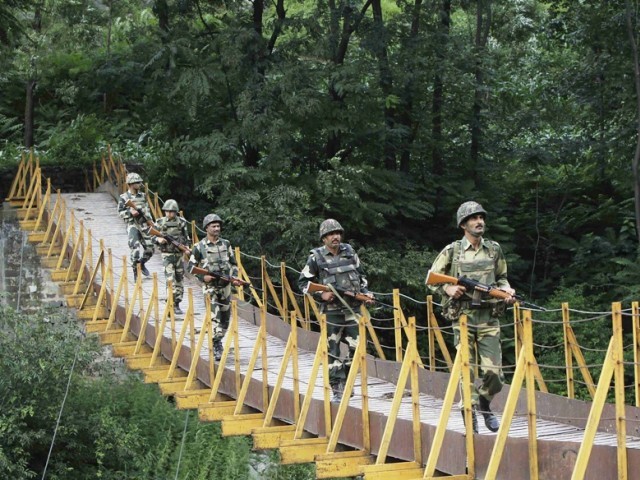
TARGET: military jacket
(342,270)
(486,265)
(140,199)
(178,228)
(215,257)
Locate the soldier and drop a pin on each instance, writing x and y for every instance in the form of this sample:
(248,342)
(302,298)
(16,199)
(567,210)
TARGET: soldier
(216,255)
(140,243)
(178,228)
(481,260)
(336,264)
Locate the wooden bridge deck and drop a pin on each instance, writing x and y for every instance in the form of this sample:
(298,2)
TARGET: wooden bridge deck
(558,442)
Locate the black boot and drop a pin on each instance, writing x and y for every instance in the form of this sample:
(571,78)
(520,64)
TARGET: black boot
(337,389)
(474,418)
(217,349)
(490,420)
(176,308)
(144,270)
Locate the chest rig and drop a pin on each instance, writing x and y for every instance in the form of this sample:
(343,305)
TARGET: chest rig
(479,269)
(339,270)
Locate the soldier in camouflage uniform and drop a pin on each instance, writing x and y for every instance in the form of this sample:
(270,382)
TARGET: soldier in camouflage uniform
(177,227)
(216,255)
(481,260)
(140,243)
(336,264)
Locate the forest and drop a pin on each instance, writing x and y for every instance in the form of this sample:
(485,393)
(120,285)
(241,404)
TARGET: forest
(385,115)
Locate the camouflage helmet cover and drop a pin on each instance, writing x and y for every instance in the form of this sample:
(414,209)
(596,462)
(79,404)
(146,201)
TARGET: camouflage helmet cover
(328,226)
(211,218)
(133,178)
(170,206)
(467,209)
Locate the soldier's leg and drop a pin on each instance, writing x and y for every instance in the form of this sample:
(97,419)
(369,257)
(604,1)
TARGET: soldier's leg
(147,252)
(472,355)
(168,262)
(136,249)
(335,326)
(490,354)
(350,337)
(491,373)
(178,272)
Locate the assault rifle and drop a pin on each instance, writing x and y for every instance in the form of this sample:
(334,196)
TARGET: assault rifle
(220,276)
(361,297)
(157,233)
(434,278)
(131,204)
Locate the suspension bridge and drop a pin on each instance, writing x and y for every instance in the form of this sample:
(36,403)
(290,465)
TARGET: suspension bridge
(400,415)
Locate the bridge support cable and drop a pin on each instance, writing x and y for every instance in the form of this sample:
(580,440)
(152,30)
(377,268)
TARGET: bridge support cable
(571,350)
(525,371)
(519,344)
(270,435)
(409,370)
(435,334)
(299,449)
(218,406)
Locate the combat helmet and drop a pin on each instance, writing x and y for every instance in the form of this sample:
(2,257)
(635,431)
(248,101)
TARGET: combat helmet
(468,209)
(211,218)
(330,225)
(133,178)
(170,206)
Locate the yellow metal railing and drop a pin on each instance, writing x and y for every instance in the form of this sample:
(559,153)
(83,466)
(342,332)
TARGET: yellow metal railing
(69,246)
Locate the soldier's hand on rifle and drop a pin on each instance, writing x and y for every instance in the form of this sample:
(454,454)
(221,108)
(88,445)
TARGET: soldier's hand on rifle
(161,240)
(512,292)
(236,282)
(327,296)
(207,278)
(134,212)
(371,300)
(455,291)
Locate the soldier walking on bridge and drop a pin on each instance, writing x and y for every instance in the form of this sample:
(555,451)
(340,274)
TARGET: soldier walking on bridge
(481,260)
(336,264)
(215,255)
(177,227)
(140,243)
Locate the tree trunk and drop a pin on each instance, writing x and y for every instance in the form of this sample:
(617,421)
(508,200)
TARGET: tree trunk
(405,114)
(29,113)
(636,157)
(386,85)
(161,9)
(29,104)
(338,48)
(437,162)
(482,33)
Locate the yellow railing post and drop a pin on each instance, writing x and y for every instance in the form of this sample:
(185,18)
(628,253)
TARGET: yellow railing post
(635,312)
(568,358)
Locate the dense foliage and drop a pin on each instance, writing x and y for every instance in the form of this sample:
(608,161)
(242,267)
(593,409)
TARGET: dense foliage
(111,425)
(383,114)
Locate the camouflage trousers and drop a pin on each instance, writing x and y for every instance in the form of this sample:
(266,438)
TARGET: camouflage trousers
(484,351)
(140,245)
(341,327)
(174,272)
(220,308)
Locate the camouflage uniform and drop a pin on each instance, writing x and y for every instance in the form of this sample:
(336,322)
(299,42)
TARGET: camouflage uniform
(178,228)
(140,243)
(216,257)
(342,270)
(486,265)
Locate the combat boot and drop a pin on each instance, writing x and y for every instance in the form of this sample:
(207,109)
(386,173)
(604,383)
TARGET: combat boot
(217,349)
(490,420)
(176,308)
(337,389)
(144,269)
(474,418)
